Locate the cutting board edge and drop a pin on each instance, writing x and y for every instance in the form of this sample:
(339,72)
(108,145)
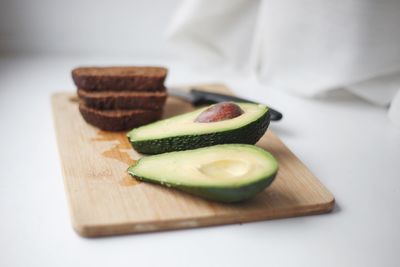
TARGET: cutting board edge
(97,230)
(67,193)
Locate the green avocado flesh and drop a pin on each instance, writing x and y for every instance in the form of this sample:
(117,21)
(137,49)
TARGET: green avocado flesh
(225,173)
(182,132)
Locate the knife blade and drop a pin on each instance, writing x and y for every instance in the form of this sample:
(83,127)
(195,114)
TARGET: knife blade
(199,97)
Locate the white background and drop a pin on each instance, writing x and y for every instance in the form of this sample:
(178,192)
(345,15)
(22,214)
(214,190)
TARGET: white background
(90,27)
(350,145)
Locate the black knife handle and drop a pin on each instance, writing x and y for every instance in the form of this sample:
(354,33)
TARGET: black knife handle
(201,97)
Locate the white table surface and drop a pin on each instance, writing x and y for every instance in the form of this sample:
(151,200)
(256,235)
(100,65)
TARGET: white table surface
(349,144)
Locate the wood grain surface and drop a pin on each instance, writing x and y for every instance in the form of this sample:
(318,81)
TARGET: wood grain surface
(105,200)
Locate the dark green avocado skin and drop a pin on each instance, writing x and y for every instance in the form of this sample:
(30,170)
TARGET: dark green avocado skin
(248,134)
(232,194)
(225,195)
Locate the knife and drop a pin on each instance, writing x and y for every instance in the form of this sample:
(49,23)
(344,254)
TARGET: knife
(199,97)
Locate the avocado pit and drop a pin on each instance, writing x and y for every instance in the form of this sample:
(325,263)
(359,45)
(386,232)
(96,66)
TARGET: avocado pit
(220,112)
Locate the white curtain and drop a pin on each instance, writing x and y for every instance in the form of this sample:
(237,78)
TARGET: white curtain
(305,46)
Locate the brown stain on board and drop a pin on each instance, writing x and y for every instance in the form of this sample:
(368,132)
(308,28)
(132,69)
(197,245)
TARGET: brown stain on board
(74,99)
(117,152)
(129,181)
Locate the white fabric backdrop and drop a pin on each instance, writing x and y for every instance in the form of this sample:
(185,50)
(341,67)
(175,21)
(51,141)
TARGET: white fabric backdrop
(305,46)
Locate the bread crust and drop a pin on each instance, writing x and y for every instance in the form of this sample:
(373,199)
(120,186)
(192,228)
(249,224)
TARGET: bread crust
(119,78)
(118,120)
(124,100)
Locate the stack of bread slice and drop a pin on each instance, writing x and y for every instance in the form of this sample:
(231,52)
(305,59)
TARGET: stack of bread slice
(120,98)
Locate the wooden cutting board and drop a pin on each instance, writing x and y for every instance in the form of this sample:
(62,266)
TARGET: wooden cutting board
(105,200)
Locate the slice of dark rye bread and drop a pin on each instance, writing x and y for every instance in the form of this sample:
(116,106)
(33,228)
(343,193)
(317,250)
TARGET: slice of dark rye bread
(123,100)
(118,120)
(119,78)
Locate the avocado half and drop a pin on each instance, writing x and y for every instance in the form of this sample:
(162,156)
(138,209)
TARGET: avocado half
(225,173)
(182,132)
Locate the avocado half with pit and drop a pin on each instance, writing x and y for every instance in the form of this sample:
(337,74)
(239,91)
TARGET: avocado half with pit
(182,132)
(226,173)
